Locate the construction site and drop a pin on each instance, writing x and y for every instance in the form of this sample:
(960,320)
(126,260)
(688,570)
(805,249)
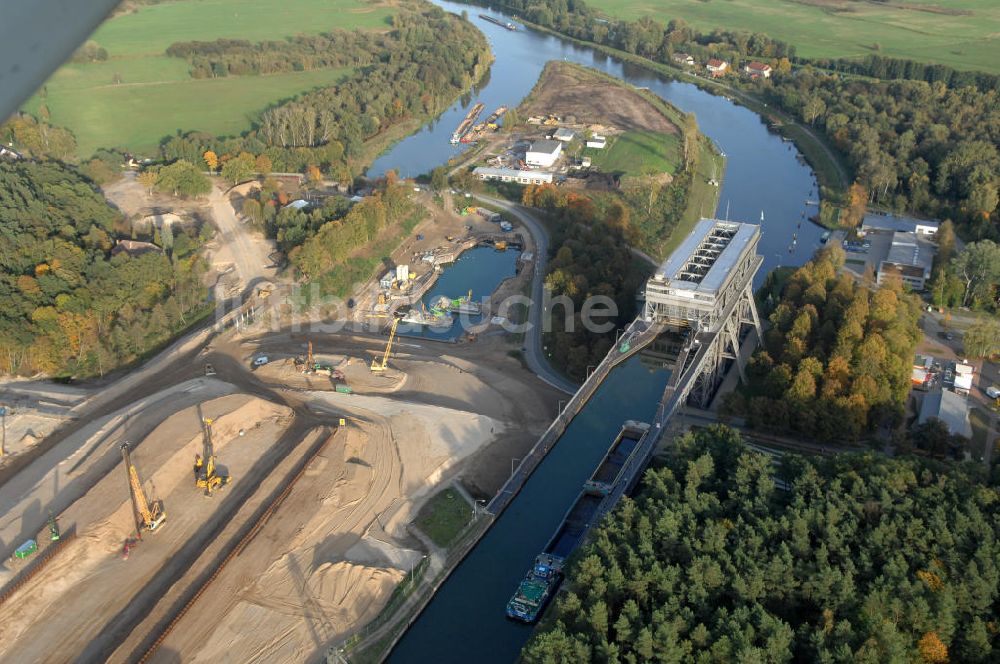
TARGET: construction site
(259,513)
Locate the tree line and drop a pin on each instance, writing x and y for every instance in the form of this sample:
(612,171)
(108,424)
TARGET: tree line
(71,306)
(240,57)
(835,362)
(590,256)
(725,557)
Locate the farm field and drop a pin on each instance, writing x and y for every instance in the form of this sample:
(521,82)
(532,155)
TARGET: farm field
(638,153)
(139,95)
(964,34)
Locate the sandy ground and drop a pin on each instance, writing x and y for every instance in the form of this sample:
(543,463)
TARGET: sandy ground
(34,409)
(282,371)
(303,584)
(64,473)
(70,601)
(567,90)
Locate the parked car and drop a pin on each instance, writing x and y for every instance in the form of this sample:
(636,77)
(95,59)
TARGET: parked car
(993,391)
(261,361)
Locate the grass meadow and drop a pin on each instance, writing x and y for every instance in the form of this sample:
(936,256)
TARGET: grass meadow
(156,97)
(964,34)
(638,153)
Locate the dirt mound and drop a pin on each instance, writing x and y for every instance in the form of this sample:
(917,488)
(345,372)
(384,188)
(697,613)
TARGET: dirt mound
(299,615)
(565,89)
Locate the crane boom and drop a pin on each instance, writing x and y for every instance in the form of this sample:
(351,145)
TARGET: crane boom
(148,515)
(380,365)
(139,496)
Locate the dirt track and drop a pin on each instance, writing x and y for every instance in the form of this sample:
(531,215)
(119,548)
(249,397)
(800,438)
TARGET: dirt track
(565,89)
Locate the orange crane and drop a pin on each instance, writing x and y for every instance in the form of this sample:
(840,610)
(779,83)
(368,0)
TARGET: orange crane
(205,474)
(148,515)
(380,365)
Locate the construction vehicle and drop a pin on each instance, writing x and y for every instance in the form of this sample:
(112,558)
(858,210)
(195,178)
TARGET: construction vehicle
(148,514)
(54,534)
(206,476)
(380,365)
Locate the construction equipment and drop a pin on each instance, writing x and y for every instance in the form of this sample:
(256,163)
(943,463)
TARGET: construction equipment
(380,365)
(148,514)
(206,476)
(54,534)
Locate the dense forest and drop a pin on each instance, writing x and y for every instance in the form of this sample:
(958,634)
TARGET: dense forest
(836,358)
(410,72)
(72,307)
(591,257)
(860,559)
(928,145)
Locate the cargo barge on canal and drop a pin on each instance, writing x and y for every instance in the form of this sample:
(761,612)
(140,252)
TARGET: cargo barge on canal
(480,130)
(495,21)
(470,118)
(540,583)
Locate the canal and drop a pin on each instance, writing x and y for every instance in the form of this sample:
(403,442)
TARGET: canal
(465,620)
(479,271)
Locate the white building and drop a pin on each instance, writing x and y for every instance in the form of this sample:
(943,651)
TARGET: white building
(890,222)
(909,258)
(758,70)
(563,134)
(717,67)
(512,175)
(543,153)
(297,204)
(963,378)
(597,141)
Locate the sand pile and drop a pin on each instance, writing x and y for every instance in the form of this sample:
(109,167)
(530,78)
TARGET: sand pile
(299,618)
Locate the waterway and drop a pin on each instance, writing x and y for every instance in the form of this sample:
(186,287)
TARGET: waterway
(763,173)
(479,270)
(465,621)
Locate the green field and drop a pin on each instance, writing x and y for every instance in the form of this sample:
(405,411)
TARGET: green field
(637,153)
(444,517)
(964,34)
(156,97)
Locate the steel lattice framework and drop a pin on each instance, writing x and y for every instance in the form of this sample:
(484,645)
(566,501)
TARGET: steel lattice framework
(706,287)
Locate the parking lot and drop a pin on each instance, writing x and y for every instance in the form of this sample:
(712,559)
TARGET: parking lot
(859,262)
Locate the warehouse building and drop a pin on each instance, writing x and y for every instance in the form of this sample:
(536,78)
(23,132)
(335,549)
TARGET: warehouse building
(512,175)
(543,153)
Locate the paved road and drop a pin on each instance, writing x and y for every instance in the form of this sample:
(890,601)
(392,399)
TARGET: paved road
(533,352)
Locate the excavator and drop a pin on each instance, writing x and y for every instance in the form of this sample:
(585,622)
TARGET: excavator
(149,515)
(205,474)
(379,365)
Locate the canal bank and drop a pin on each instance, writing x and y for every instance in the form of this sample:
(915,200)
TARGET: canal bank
(465,621)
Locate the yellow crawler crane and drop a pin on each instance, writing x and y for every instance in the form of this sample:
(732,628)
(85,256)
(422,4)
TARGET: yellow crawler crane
(205,475)
(380,365)
(148,515)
